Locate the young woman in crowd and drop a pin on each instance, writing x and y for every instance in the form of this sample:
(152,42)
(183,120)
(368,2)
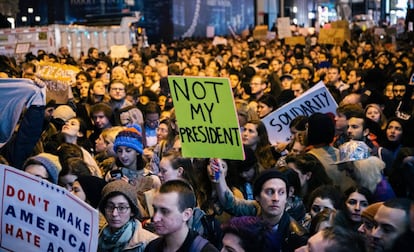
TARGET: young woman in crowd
(129,162)
(395,133)
(374,112)
(166,138)
(121,209)
(255,136)
(74,133)
(323,197)
(104,148)
(266,105)
(357,199)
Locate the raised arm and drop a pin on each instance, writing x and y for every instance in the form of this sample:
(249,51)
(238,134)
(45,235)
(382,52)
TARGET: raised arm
(232,205)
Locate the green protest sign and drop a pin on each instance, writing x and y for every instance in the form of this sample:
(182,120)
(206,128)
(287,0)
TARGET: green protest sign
(206,117)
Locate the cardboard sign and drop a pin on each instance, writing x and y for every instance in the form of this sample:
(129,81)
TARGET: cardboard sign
(296,40)
(316,99)
(207,119)
(59,79)
(343,24)
(37,215)
(119,51)
(219,41)
(283,27)
(260,32)
(22,48)
(333,36)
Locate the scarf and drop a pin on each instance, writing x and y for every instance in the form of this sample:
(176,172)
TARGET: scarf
(115,242)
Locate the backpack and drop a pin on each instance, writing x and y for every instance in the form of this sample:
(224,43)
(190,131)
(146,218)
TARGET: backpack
(198,244)
(207,226)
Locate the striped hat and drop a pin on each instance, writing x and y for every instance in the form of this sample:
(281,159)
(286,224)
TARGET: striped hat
(130,137)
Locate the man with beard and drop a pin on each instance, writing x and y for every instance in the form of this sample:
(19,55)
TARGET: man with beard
(391,221)
(270,190)
(355,81)
(103,68)
(401,105)
(334,79)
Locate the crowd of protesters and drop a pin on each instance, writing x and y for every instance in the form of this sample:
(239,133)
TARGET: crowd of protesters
(343,182)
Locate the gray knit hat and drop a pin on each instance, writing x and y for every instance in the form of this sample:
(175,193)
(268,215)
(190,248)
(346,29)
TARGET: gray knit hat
(64,112)
(120,187)
(50,162)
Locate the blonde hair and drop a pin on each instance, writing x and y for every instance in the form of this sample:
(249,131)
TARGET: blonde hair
(368,172)
(383,119)
(109,134)
(243,109)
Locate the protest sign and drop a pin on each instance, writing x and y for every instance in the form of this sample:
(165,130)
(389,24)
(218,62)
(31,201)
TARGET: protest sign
(342,24)
(316,99)
(260,32)
(296,40)
(59,79)
(219,41)
(206,116)
(37,215)
(283,27)
(333,36)
(119,51)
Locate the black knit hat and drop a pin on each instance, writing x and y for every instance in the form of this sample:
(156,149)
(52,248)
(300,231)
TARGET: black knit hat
(92,186)
(265,176)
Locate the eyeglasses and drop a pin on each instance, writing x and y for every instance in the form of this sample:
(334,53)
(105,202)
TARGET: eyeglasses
(120,209)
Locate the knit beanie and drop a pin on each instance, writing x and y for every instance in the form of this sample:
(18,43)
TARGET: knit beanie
(130,137)
(92,186)
(321,129)
(371,210)
(265,176)
(120,187)
(64,112)
(50,162)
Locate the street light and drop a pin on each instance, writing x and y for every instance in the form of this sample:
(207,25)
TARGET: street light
(29,10)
